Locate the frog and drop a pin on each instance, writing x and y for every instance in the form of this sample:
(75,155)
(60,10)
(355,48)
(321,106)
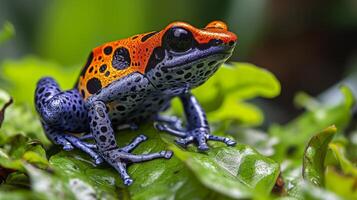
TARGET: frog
(131,81)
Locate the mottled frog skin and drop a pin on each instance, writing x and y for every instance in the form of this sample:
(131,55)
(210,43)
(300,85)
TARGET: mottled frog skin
(129,81)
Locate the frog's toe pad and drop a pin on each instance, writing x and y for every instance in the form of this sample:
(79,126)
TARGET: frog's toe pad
(231,143)
(166,154)
(159,126)
(203,147)
(99,160)
(128,181)
(68,147)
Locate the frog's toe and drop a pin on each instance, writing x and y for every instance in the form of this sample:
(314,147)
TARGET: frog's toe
(99,160)
(128,181)
(166,154)
(143,137)
(231,143)
(203,147)
(184,141)
(227,141)
(68,147)
(159,126)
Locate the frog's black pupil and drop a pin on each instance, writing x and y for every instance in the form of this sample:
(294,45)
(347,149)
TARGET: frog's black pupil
(179,39)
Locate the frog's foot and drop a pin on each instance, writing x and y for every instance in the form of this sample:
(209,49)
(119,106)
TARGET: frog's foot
(199,135)
(119,158)
(69,142)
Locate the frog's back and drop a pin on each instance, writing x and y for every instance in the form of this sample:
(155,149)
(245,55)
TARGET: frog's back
(115,60)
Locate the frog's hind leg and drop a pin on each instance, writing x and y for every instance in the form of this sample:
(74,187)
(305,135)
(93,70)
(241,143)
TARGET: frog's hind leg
(63,112)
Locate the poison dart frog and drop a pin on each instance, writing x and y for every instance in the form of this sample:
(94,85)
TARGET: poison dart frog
(129,81)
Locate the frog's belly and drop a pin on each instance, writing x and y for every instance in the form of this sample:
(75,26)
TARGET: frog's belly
(136,108)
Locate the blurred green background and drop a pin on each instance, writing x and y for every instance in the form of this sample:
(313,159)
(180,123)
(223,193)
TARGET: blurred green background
(308,45)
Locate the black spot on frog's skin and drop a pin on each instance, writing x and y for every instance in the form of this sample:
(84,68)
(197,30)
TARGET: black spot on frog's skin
(94,85)
(40,90)
(90,69)
(102,138)
(103,68)
(89,61)
(107,74)
(121,58)
(120,108)
(108,50)
(103,129)
(200,65)
(149,35)
(156,57)
(188,75)
(212,63)
(82,93)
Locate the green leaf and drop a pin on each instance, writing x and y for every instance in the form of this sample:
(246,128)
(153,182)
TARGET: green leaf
(223,94)
(314,156)
(310,191)
(7,32)
(22,86)
(49,186)
(346,165)
(293,136)
(3,109)
(21,195)
(235,172)
(20,120)
(342,184)
(20,149)
(156,179)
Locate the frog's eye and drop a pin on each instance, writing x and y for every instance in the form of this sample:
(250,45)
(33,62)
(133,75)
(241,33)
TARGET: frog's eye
(178,39)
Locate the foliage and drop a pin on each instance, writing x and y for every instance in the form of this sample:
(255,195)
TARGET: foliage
(309,158)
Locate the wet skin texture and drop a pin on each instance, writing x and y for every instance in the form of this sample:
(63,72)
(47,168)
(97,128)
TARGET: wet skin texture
(129,81)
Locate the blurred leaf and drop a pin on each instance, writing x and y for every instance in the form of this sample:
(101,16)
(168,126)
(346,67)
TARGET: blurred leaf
(233,110)
(7,32)
(304,100)
(20,195)
(342,184)
(3,109)
(20,120)
(314,156)
(312,192)
(49,186)
(223,94)
(93,24)
(20,149)
(293,136)
(346,165)
(258,139)
(23,75)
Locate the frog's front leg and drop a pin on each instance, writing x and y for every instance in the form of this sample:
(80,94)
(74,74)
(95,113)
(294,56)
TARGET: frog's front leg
(197,129)
(101,129)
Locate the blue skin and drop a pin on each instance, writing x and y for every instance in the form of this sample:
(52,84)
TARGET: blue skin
(66,111)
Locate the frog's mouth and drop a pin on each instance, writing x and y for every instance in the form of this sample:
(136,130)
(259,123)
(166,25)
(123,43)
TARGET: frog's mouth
(173,60)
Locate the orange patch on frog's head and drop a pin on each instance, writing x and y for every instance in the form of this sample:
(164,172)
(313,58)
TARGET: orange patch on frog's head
(188,56)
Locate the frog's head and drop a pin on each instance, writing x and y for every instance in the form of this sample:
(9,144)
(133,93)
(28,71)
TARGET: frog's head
(188,56)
